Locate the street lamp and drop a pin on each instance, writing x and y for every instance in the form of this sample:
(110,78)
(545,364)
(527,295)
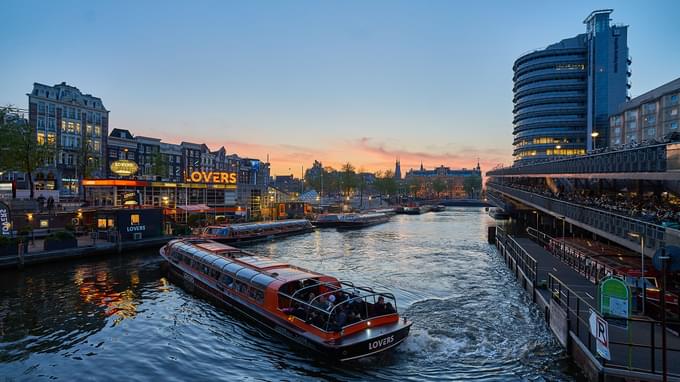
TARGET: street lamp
(594,134)
(637,235)
(564,220)
(537,231)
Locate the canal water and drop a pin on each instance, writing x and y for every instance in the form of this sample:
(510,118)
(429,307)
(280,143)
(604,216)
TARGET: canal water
(120,318)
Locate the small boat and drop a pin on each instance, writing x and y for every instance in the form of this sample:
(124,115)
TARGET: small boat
(350,220)
(417,210)
(355,221)
(498,214)
(438,208)
(250,232)
(333,318)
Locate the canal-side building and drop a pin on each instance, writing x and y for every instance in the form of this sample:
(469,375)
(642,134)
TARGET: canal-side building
(651,116)
(443,181)
(564,94)
(185,177)
(78,125)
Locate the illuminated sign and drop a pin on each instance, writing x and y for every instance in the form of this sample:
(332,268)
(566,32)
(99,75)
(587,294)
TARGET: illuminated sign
(124,167)
(5,220)
(212,177)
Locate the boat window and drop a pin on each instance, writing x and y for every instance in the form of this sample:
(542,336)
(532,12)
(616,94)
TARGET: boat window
(228,281)
(241,287)
(246,274)
(214,273)
(262,281)
(233,268)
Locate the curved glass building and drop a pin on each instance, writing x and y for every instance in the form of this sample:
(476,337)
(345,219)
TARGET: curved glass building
(565,92)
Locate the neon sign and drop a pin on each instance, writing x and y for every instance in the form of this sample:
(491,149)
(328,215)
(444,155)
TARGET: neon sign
(212,177)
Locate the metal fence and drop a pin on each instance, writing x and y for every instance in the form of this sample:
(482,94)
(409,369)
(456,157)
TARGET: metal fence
(651,158)
(609,222)
(522,258)
(635,344)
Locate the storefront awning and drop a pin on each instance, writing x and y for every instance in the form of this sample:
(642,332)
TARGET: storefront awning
(195,208)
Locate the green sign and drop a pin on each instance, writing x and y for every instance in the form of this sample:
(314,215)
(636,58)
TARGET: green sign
(615,298)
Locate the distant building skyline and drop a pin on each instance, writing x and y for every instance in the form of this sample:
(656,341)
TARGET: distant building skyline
(363,82)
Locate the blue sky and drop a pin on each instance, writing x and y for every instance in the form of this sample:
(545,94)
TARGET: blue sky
(358,81)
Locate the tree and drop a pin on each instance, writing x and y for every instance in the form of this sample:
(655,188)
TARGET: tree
(414,184)
(472,184)
(20,149)
(159,164)
(348,179)
(385,183)
(438,186)
(87,160)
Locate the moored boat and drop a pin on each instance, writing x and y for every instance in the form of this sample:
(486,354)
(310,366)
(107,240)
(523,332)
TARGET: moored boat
(354,221)
(334,318)
(417,210)
(249,232)
(438,208)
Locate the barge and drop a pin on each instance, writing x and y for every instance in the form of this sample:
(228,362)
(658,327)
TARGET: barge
(333,318)
(251,232)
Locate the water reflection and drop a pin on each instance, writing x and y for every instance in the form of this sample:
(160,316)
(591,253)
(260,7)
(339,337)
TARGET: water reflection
(119,317)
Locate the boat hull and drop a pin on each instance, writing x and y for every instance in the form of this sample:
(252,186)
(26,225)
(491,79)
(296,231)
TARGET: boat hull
(358,345)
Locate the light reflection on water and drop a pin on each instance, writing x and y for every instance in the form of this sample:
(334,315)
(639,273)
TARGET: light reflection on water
(120,318)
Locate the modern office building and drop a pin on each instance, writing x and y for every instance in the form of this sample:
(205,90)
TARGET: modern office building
(78,125)
(650,116)
(564,94)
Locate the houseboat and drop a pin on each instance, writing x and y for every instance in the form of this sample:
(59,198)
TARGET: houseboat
(417,210)
(355,221)
(351,220)
(333,318)
(438,208)
(250,232)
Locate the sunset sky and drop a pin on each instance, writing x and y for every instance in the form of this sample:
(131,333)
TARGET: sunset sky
(336,81)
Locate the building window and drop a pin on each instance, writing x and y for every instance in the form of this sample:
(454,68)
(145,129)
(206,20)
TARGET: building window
(617,131)
(649,107)
(134,219)
(41,122)
(51,124)
(101,223)
(674,125)
(41,138)
(631,125)
(674,99)
(631,115)
(674,111)
(651,132)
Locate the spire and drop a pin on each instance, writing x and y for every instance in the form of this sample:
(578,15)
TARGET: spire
(421,166)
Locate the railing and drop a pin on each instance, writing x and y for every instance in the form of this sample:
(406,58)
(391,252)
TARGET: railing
(637,348)
(326,319)
(653,158)
(522,258)
(577,259)
(609,222)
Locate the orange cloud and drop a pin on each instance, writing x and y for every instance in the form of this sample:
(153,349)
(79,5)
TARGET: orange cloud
(364,153)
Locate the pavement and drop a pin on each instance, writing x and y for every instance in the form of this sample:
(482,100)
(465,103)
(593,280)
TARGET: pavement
(643,332)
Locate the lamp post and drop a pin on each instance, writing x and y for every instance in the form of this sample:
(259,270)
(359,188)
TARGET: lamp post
(638,235)
(564,221)
(537,231)
(594,135)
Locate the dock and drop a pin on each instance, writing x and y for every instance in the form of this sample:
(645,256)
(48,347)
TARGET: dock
(566,298)
(87,247)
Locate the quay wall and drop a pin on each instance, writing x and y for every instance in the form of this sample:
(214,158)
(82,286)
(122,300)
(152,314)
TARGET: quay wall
(580,355)
(14,262)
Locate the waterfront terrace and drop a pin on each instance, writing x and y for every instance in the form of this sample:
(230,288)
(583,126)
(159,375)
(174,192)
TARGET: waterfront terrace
(614,194)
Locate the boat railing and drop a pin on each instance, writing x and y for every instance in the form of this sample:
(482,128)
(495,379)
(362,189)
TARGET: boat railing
(311,309)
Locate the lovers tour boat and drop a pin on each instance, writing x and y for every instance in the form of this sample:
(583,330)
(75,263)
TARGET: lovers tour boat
(249,232)
(351,220)
(333,318)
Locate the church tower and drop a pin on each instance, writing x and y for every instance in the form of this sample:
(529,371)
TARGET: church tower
(397,170)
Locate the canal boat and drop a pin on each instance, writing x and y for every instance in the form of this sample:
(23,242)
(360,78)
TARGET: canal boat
(417,210)
(350,220)
(498,214)
(251,232)
(333,318)
(438,208)
(355,221)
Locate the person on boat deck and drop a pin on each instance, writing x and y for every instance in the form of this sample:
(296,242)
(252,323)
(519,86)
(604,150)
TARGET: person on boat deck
(331,301)
(381,308)
(340,318)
